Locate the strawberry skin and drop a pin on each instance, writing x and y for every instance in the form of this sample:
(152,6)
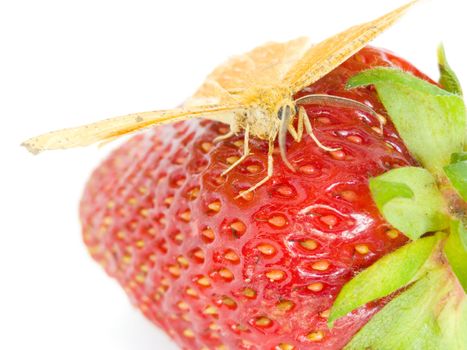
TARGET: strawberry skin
(259,272)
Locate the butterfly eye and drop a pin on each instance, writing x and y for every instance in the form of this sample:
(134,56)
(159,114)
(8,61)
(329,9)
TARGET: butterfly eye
(280,113)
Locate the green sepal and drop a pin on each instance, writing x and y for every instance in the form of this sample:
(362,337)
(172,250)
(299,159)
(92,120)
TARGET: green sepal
(409,200)
(453,323)
(456,251)
(458,157)
(385,276)
(430,120)
(409,321)
(448,78)
(457,173)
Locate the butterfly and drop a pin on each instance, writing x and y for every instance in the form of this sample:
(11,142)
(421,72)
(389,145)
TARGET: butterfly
(252,93)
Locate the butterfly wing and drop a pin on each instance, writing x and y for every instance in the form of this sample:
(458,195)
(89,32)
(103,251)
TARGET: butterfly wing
(112,128)
(211,92)
(264,66)
(216,99)
(221,97)
(330,53)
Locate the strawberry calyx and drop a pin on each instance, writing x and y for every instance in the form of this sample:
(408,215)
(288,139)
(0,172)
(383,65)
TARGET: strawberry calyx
(430,120)
(432,123)
(389,274)
(428,277)
(457,173)
(455,250)
(422,317)
(410,200)
(448,78)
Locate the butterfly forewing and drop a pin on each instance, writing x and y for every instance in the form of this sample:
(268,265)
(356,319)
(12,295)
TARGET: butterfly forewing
(264,66)
(211,92)
(330,53)
(112,128)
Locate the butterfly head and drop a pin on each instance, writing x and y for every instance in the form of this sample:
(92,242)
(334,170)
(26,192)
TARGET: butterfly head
(270,108)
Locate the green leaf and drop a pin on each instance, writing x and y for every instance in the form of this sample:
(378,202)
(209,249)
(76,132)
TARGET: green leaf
(457,174)
(385,276)
(409,199)
(456,251)
(430,120)
(448,78)
(409,321)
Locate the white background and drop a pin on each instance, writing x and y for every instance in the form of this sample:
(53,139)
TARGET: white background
(64,63)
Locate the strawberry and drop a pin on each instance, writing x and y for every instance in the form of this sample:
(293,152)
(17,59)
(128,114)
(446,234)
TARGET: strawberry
(261,271)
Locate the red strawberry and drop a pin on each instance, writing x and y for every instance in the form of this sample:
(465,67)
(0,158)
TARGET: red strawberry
(259,272)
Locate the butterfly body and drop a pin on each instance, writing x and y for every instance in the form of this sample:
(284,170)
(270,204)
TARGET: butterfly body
(263,114)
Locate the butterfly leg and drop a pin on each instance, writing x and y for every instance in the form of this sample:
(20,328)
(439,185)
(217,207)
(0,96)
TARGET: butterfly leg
(297,134)
(269,174)
(246,151)
(224,137)
(309,130)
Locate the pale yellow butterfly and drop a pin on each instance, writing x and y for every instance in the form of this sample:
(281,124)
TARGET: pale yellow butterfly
(252,93)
